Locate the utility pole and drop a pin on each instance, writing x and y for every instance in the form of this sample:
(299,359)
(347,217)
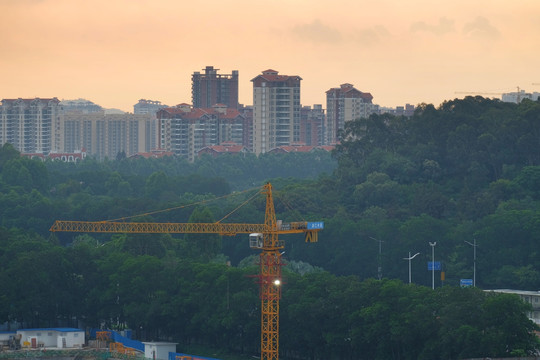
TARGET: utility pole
(379,269)
(474,260)
(432,244)
(410,258)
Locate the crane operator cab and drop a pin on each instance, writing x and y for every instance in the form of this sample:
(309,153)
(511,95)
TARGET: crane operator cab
(256,241)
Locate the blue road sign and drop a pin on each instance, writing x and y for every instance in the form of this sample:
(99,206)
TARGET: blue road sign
(465,282)
(431,266)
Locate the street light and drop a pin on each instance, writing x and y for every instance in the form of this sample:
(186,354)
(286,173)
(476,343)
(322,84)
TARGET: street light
(474,260)
(432,244)
(410,258)
(379,269)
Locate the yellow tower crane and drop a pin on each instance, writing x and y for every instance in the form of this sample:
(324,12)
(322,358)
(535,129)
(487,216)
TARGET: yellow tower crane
(262,236)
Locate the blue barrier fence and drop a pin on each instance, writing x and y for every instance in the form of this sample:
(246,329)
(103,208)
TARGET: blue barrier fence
(116,337)
(180,356)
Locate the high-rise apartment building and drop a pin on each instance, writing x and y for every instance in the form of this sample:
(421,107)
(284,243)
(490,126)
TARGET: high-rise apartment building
(185,130)
(211,88)
(345,103)
(312,125)
(32,125)
(107,135)
(276,110)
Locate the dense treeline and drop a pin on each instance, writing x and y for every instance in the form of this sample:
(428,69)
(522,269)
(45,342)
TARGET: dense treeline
(165,295)
(469,169)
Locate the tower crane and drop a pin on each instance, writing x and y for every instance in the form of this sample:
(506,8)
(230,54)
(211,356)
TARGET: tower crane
(262,236)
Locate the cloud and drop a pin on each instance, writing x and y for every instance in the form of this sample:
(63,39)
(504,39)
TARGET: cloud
(370,36)
(481,28)
(444,26)
(317,32)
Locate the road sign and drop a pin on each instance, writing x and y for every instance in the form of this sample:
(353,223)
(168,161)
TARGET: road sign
(465,282)
(434,265)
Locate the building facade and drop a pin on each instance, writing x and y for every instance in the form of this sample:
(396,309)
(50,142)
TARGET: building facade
(32,125)
(108,135)
(343,104)
(211,88)
(184,130)
(313,125)
(276,110)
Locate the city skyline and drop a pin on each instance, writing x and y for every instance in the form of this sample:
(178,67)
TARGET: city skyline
(115,53)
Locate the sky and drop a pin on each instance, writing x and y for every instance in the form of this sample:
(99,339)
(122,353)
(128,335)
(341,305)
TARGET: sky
(115,52)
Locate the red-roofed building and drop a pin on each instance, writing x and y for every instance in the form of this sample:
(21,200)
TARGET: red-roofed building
(276,110)
(227,147)
(300,148)
(154,154)
(343,104)
(185,130)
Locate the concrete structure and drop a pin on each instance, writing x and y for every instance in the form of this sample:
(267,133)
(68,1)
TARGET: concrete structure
(158,350)
(276,110)
(518,96)
(531,297)
(65,157)
(105,136)
(185,130)
(343,104)
(32,125)
(52,337)
(211,88)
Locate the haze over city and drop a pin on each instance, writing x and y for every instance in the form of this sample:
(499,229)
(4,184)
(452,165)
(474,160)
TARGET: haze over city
(116,52)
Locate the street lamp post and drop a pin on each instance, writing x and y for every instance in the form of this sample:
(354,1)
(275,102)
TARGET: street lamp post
(432,244)
(474,260)
(379,269)
(410,258)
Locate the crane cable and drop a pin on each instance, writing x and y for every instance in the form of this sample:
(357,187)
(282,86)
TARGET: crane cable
(239,206)
(184,206)
(289,207)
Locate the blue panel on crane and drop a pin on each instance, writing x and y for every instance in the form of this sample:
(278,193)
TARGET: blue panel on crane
(315,225)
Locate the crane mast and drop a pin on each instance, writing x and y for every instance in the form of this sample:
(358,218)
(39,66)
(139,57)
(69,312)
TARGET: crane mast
(269,259)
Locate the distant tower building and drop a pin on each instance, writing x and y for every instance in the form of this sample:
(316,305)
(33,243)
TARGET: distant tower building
(345,104)
(32,125)
(151,107)
(211,88)
(81,106)
(312,125)
(276,110)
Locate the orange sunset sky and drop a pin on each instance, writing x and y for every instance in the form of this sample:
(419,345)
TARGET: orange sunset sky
(115,52)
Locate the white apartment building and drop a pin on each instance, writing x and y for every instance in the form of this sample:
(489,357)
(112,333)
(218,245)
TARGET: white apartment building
(343,104)
(32,125)
(276,110)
